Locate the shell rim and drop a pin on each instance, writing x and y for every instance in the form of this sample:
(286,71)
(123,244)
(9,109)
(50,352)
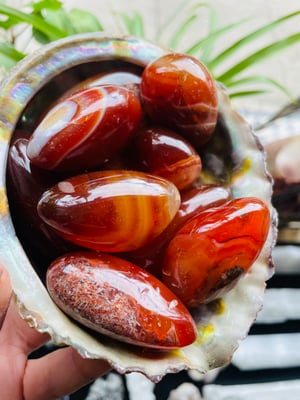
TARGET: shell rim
(8,121)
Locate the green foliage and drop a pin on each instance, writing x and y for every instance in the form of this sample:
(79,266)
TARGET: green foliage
(203,47)
(49,20)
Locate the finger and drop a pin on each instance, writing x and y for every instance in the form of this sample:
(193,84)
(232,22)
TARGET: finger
(5,293)
(60,373)
(15,331)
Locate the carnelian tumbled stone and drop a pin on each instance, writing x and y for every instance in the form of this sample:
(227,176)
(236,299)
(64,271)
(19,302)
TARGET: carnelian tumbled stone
(119,299)
(193,201)
(85,129)
(212,251)
(162,152)
(110,210)
(178,91)
(25,185)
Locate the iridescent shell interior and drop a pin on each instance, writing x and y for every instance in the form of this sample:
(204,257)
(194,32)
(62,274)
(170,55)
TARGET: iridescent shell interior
(234,158)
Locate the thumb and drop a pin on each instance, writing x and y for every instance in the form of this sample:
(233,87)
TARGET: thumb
(5,292)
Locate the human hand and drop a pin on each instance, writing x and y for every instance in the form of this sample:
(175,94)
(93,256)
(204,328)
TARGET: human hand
(47,378)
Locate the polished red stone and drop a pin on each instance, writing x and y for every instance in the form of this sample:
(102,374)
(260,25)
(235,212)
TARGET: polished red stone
(162,152)
(119,299)
(178,91)
(85,129)
(110,211)
(193,201)
(25,184)
(213,250)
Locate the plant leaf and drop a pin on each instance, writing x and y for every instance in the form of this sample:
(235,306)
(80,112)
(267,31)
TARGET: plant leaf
(208,40)
(248,38)
(213,26)
(8,23)
(260,79)
(134,25)
(246,93)
(10,51)
(172,17)
(83,21)
(138,25)
(38,6)
(58,18)
(177,36)
(286,110)
(187,23)
(258,56)
(36,21)
(9,56)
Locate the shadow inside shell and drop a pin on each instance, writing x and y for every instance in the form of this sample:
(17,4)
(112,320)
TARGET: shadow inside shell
(40,242)
(64,82)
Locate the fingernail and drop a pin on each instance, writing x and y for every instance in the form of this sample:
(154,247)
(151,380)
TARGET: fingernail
(3,307)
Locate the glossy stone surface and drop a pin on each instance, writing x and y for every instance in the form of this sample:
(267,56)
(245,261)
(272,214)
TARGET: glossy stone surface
(213,250)
(118,299)
(110,210)
(193,201)
(162,152)
(26,183)
(50,72)
(129,79)
(178,91)
(85,129)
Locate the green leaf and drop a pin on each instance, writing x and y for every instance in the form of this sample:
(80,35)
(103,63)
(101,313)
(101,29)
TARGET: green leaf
(83,21)
(249,38)
(8,23)
(246,93)
(139,25)
(9,56)
(258,56)
(212,26)
(177,36)
(208,40)
(260,79)
(58,18)
(10,51)
(134,25)
(6,62)
(187,23)
(36,21)
(38,6)
(172,17)
(127,21)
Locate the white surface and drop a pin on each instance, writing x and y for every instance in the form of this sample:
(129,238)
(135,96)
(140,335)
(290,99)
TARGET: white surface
(268,351)
(280,305)
(263,391)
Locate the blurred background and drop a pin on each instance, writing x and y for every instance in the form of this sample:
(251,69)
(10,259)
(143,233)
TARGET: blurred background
(155,14)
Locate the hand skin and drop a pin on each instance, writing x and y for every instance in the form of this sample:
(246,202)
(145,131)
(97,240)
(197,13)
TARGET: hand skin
(54,375)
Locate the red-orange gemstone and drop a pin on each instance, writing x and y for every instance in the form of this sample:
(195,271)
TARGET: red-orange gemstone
(110,211)
(162,152)
(85,129)
(178,91)
(193,201)
(213,250)
(25,185)
(119,299)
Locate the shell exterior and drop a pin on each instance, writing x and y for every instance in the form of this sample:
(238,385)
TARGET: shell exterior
(221,324)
